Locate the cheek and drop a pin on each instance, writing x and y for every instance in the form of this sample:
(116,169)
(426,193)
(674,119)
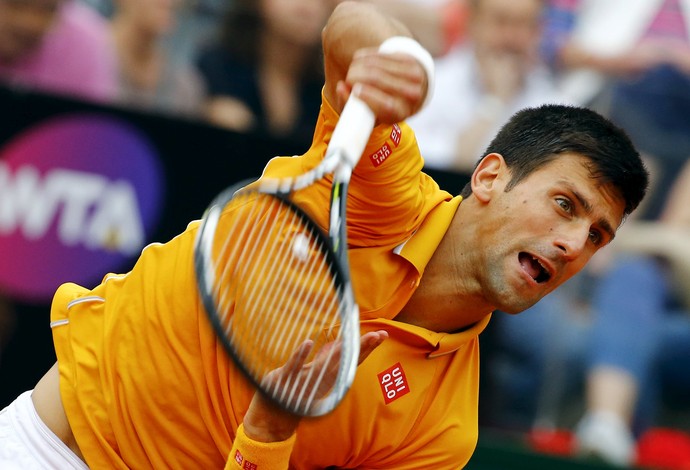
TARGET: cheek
(576,266)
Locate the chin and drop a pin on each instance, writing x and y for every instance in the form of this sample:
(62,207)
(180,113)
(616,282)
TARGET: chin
(512,311)
(518,306)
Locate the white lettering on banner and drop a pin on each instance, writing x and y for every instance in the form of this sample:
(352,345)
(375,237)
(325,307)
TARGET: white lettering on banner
(96,212)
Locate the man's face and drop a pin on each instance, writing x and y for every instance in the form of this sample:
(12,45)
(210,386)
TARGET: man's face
(23,24)
(507,27)
(544,230)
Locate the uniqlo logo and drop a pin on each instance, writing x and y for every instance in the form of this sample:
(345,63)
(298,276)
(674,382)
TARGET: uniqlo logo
(380,155)
(396,134)
(238,458)
(244,464)
(393,383)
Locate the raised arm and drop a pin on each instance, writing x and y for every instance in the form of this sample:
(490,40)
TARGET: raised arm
(393,85)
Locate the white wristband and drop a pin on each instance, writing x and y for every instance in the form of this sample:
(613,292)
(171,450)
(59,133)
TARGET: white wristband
(407,45)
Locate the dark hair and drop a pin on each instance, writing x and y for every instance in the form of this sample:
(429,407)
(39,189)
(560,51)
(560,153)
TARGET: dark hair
(240,31)
(536,136)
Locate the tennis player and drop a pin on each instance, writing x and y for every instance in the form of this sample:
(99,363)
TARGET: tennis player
(142,382)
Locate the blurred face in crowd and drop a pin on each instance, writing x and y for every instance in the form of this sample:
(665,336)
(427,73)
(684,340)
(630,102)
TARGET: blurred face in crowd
(507,27)
(23,24)
(296,21)
(154,17)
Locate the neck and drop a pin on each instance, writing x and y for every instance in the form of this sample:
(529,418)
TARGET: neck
(449,297)
(132,41)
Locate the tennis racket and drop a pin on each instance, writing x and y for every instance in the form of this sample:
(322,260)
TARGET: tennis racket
(277,288)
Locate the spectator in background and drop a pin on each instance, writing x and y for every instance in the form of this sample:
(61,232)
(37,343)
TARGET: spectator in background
(57,46)
(150,78)
(265,72)
(484,80)
(590,49)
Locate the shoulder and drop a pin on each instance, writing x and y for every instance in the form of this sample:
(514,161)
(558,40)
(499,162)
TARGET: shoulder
(85,34)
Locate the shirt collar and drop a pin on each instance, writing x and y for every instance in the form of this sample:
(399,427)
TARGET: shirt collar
(419,248)
(436,344)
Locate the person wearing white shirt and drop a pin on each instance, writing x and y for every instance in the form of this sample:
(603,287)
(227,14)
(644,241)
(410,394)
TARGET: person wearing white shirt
(483,81)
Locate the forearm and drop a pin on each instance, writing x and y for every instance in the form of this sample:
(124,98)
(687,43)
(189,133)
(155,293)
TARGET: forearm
(353,26)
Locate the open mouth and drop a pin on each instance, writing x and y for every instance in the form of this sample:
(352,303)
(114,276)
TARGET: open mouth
(534,268)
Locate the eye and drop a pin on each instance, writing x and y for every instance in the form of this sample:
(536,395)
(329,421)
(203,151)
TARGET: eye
(565,204)
(595,237)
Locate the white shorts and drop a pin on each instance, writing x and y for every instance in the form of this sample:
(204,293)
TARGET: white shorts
(26,443)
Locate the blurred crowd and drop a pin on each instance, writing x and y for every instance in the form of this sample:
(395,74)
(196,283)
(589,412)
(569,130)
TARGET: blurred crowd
(608,356)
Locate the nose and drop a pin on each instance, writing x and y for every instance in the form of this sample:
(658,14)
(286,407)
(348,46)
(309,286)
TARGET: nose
(573,242)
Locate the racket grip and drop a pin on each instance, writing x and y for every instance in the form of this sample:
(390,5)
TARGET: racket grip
(353,129)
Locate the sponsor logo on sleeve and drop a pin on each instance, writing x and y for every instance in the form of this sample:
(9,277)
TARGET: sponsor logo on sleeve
(396,134)
(380,156)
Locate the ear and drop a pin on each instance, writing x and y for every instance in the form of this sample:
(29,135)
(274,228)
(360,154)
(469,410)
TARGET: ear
(488,177)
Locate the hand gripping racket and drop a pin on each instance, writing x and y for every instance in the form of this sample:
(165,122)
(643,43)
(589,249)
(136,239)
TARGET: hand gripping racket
(276,288)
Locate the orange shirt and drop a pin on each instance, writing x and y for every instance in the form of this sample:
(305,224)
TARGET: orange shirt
(146,384)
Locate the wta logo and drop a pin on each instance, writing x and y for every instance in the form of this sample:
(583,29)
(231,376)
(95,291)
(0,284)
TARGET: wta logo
(79,197)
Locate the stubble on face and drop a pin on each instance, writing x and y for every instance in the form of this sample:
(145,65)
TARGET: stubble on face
(538,234)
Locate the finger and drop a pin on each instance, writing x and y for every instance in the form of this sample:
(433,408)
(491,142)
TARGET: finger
(397,72)
(393,85)
(369,342)
(282,378)
(290,368)
(343,91)
(296,361)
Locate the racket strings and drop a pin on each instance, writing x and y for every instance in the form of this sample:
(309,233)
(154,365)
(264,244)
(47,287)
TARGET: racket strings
(312,383)
(224,284)
(289,301)
(272,265)
(251,252)
(290,391)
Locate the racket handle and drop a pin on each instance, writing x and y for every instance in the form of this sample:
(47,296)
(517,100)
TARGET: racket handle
(352,131)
